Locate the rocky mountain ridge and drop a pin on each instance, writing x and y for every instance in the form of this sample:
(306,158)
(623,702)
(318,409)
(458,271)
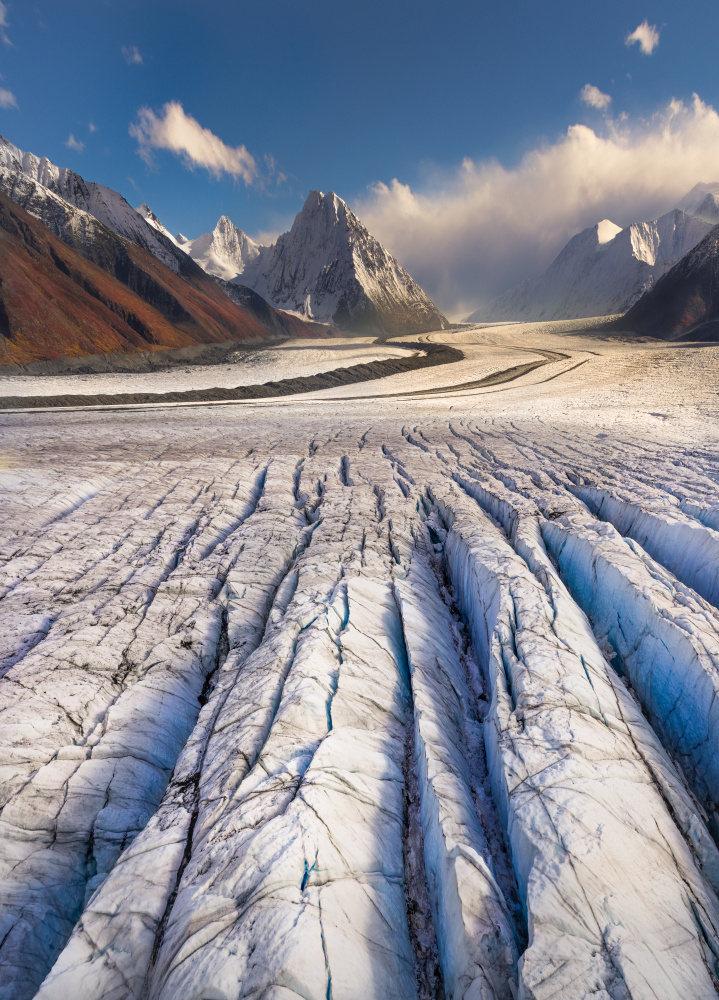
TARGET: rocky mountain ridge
(136,250)
(56,303)
(328,268)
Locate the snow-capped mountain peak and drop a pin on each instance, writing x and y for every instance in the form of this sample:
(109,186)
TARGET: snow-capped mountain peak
(225,252)
(708,209)
(330,268)
(605,269)
(692,201)
(327,268)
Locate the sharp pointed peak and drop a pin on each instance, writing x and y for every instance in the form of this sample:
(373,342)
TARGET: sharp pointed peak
(607,230)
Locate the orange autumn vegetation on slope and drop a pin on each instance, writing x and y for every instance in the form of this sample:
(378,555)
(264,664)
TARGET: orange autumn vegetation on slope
(54,303)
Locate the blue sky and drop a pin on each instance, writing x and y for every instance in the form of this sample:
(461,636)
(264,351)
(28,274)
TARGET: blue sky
(340,97)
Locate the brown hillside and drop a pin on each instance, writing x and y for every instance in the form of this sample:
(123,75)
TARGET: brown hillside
(54,303)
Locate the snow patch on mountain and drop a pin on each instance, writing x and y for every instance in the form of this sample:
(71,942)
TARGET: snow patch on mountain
(605,269)
(106,205)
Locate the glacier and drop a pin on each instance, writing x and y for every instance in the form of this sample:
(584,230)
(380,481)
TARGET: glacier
(408,696)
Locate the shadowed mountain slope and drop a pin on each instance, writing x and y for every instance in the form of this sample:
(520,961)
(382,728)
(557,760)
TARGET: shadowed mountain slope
(685,302)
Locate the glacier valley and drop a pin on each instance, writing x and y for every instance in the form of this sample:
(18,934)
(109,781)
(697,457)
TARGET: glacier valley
(402,690)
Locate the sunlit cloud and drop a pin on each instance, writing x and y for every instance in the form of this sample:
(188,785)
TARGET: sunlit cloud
(72,143)
(594,97)
(4,23)
(469,234)
(92,127)
(7,99)
(131,55)
(175,130)
(646,36)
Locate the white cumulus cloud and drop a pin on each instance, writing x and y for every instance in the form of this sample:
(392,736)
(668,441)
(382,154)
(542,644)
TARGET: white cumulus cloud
(469,234)
(7,99)
(72,143)
(594,97)
(131,55)
(646,36)
(182,134)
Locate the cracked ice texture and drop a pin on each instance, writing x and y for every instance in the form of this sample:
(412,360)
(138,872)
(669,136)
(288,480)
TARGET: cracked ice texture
(557,729)
(234,651)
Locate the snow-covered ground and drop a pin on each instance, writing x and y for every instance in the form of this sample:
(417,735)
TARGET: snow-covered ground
(405,689)
(245,368)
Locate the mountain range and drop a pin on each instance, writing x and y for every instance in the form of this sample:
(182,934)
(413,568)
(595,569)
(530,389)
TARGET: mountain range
(606,269)
(81,271)
(327,269)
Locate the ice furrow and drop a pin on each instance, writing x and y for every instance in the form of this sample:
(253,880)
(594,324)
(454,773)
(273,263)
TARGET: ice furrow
(609,883)
(661,634)
(269,831)
(476,936)
(690,550)
(520,520)
(121,928)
